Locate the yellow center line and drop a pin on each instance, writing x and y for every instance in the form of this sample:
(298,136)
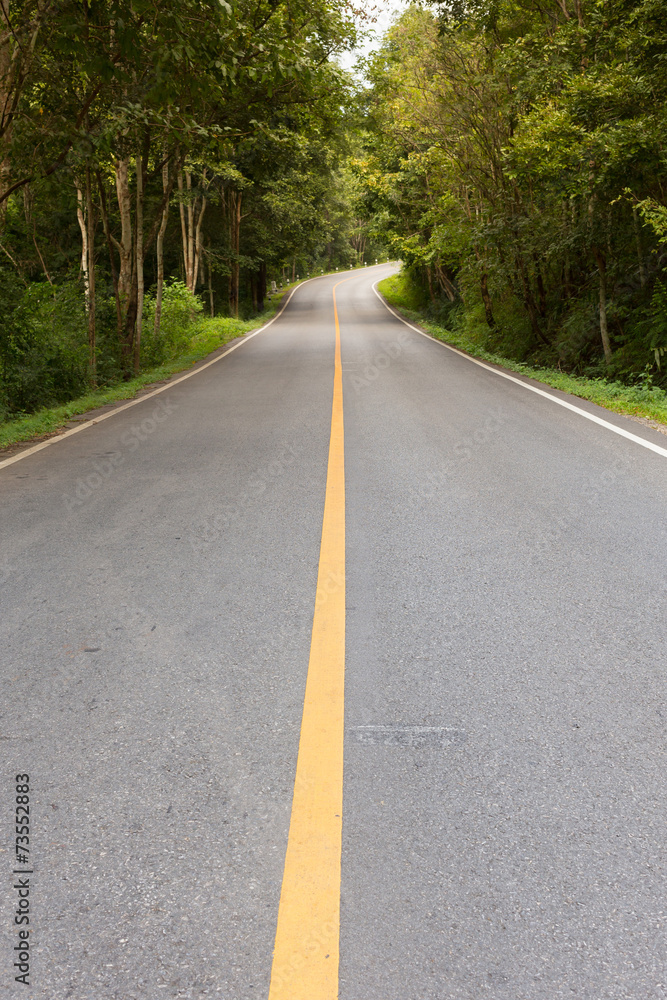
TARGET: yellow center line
(305,958)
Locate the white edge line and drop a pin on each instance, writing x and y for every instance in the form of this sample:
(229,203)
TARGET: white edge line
(533,388)
(163,388)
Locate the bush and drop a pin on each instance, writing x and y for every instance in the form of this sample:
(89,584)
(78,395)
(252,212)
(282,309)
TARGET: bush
(180,313)
(43,345)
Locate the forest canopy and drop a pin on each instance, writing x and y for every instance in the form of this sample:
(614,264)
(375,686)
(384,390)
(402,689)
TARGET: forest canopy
(158,159)
(162,161)
(516,160)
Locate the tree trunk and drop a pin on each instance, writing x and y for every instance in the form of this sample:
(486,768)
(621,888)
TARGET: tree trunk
(235,198)
(160,253)
(81,216)
(131,251)
(540,287)
(92,356)
(191,223)
(112,260)
(640,249)
(529,301)
(486,299)
(195,267)
(139,248)
(445,283)
(31,223)
(127,278)
(184,231)
(567,264)
(39,253)
(604,332)
(126,284)
(211,300)
(5,103)
(126,241)
(191,233)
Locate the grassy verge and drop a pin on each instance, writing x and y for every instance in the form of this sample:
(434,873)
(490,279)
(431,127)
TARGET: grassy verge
(637,401)
(208,336)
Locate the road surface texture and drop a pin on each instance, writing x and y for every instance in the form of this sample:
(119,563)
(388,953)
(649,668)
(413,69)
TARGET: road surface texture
(504,827)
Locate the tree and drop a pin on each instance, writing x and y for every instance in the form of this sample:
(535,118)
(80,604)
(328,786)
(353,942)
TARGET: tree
(520,148)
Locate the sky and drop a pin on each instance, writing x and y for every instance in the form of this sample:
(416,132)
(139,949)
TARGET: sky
(387,12)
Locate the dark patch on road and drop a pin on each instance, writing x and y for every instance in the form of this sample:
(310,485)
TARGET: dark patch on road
(411,737)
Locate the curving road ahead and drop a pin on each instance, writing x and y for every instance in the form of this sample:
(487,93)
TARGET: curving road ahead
(496,565)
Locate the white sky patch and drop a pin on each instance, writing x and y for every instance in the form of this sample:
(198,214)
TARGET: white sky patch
(386,13)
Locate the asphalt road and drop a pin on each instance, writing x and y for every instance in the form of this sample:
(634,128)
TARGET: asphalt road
(505,804)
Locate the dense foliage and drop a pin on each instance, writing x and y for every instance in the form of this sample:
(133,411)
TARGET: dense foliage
(155,156)
(158,159)
(516,159)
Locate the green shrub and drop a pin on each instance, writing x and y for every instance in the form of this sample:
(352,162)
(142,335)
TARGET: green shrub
(43,346)
(180,313)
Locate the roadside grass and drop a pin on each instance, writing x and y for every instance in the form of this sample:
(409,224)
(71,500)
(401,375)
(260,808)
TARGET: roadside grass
(636,401)
(209,335)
